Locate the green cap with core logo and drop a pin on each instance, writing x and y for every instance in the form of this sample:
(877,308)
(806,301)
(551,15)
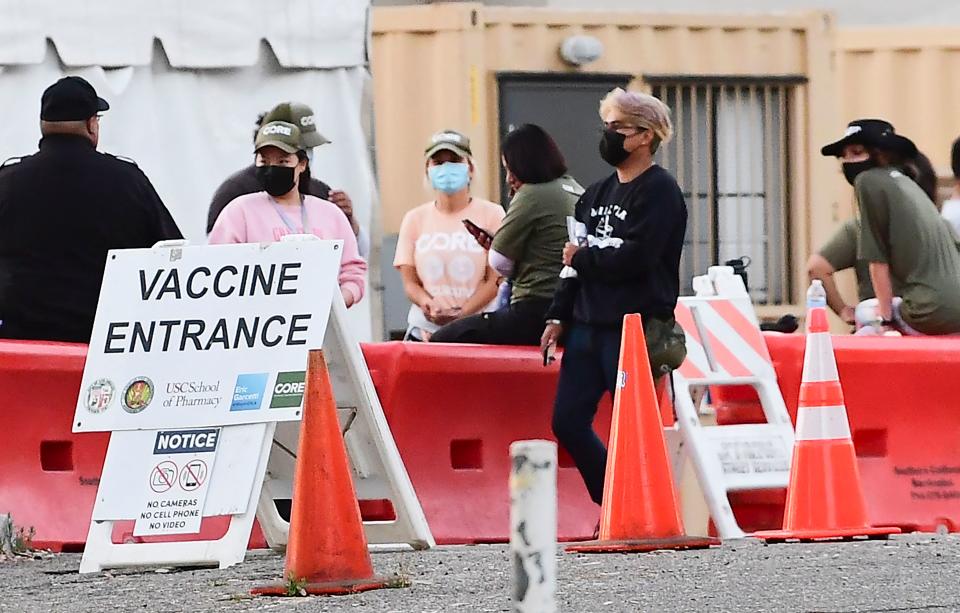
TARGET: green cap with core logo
(280,134)
(300,115)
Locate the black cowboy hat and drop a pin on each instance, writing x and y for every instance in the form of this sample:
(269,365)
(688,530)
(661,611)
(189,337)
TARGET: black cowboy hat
(871,133)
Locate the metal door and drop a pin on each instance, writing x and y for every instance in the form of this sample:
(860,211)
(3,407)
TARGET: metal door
(566,106)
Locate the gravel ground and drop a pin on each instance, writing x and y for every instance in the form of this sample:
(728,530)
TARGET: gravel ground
(908,573)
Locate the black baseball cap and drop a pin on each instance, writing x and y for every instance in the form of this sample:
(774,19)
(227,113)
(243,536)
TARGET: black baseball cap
(871,133)
(71,99)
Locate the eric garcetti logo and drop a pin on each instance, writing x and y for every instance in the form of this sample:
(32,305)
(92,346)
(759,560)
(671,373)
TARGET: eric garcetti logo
(248,393)
(137,395)
(288,390)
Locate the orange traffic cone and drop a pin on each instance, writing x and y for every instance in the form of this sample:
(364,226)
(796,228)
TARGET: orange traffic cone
(639,510)
(824,498)
(327,549)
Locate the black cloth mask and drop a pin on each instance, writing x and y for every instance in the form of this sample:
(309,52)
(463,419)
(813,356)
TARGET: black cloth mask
(611,147)
(276,180)
(852,169)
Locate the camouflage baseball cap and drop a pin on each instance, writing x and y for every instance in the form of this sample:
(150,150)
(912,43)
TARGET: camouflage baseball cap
(300,115)
(448,140)
(280,134)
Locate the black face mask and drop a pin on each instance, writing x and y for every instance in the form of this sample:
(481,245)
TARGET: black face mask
(276,180)
(852,169)
(611,147)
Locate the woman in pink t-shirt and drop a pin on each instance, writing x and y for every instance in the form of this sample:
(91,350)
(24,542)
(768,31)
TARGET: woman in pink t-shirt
(444,270)
(281,209)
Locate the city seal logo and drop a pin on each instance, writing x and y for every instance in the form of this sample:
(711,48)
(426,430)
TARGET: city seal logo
(100,395)
(137,395)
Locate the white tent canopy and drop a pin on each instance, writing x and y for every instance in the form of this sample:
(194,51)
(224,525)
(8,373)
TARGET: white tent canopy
(210,34)
(185,82)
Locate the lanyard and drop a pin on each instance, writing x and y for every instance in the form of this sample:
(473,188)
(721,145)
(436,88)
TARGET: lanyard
(304,221)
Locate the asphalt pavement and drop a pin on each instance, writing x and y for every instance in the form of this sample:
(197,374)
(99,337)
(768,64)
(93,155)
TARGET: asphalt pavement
(907,573)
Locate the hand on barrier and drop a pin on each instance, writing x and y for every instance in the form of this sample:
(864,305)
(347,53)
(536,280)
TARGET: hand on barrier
(848,315)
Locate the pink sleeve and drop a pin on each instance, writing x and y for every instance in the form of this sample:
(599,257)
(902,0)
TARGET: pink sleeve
(231,226)
(406,240)
(352,266)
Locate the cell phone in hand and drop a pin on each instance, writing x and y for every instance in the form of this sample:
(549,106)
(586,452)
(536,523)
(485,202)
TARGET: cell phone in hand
(548,357)
(483,237)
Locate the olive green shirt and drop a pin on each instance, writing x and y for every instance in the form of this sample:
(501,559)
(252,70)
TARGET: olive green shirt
(841,252)
(533,234)
(899,226)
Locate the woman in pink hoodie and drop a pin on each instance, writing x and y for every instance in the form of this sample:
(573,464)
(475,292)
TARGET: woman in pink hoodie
(281,209)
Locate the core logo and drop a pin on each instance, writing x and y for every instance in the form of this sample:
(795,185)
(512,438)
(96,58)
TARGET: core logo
(288,390)
(186,441)
(306,120)
(137,395)
(248,393)
(446,137)
(276,129)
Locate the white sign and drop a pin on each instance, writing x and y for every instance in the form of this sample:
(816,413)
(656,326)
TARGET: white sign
(147,466)
(175,489)
(198,336)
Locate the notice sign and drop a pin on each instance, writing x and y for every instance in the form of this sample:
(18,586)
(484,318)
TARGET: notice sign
(176,488)
(199,336)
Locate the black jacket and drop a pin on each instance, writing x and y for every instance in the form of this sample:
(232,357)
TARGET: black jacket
(636,230)
(245,182)
(61,210)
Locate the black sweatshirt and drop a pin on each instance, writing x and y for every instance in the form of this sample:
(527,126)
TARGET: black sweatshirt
(636,232)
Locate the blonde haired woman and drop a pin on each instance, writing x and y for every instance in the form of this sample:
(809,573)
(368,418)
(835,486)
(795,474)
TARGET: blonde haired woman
(636,219)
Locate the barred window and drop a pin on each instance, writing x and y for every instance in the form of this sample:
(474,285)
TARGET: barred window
(730,157)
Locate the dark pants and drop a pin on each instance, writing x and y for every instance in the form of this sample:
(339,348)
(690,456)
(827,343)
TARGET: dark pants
(520,324)
(591,358)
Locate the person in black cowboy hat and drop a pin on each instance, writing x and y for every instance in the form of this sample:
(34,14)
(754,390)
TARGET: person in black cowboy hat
(902,237)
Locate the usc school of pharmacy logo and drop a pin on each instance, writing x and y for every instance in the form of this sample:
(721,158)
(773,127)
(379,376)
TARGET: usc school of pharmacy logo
(137,395)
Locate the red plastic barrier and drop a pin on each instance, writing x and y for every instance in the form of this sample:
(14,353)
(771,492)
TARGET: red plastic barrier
(48,474)
(736,404)
(904,414)
(454,410)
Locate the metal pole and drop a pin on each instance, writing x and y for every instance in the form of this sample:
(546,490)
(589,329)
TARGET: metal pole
(533,525)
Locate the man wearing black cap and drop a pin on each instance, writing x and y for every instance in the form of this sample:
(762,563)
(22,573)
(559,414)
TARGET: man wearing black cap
(902,237)
(61,210)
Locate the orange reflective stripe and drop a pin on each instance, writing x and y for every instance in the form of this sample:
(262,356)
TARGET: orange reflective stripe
(747,330)
(726,359)
(684,317)
(821,394)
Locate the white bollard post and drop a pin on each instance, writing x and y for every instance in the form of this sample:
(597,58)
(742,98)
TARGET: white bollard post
(533,525)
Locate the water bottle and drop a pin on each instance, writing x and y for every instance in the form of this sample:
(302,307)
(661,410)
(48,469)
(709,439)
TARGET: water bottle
(816,295)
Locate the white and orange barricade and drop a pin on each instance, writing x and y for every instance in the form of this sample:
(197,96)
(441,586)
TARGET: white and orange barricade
(725,347)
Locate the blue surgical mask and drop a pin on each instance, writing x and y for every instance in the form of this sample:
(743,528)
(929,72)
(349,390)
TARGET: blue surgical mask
(449,177)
